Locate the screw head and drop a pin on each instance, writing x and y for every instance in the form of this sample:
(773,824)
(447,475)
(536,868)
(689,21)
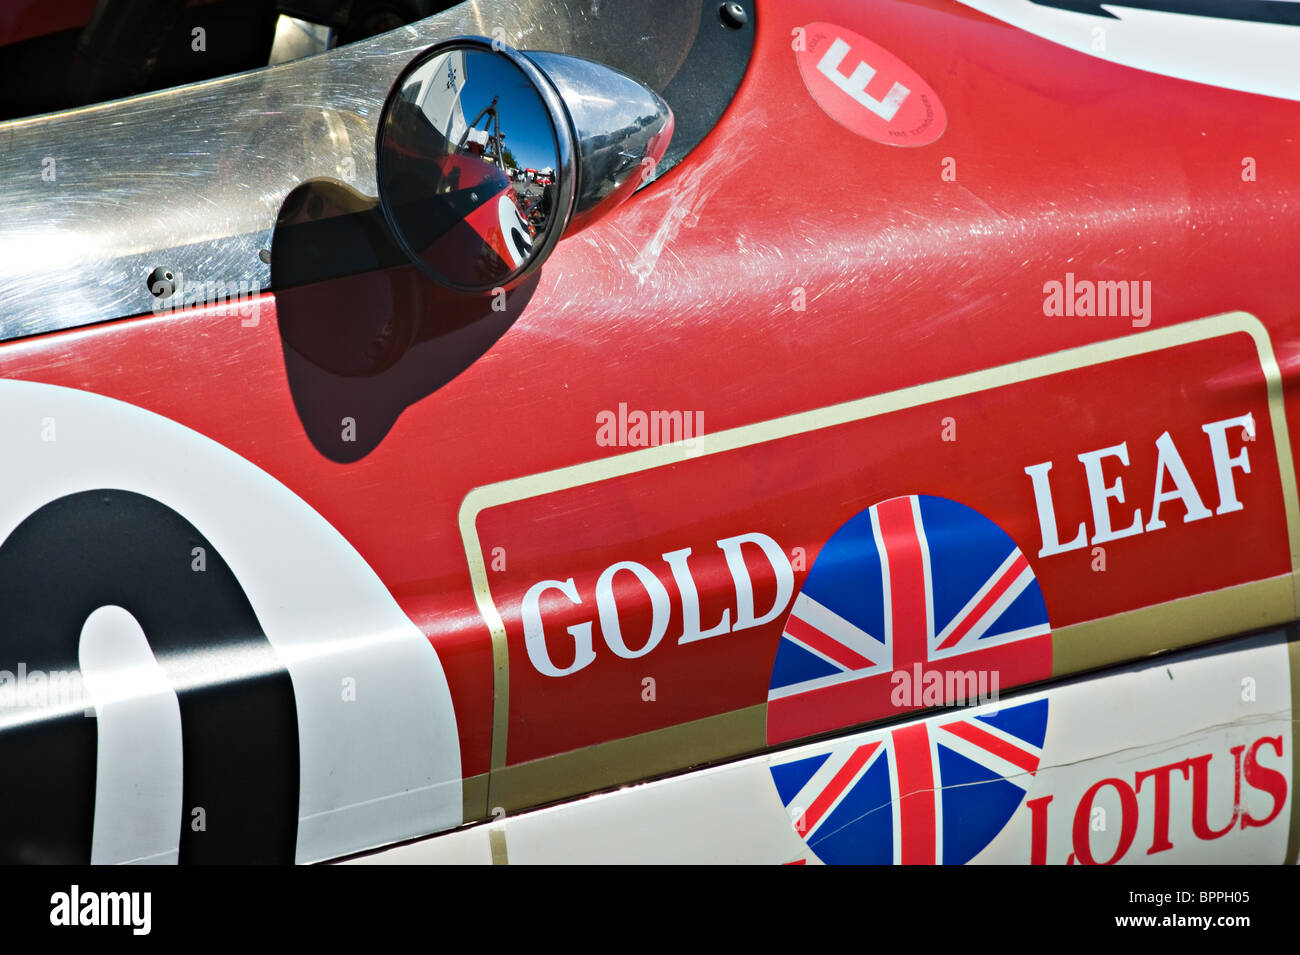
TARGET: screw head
(161,282)
(733,15)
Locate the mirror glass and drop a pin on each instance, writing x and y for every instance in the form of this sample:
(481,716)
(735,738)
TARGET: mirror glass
(468,165)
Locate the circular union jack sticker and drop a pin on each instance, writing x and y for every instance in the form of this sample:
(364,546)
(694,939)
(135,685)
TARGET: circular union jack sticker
(914,603)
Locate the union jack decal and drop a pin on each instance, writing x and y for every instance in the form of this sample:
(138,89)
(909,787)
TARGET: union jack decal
(918,585)
(934,791)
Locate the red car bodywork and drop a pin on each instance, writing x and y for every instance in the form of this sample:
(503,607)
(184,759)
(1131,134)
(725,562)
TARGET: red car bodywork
(789,265)
(24,19)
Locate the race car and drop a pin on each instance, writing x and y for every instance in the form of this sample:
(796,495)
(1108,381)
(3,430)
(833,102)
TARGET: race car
(930,498)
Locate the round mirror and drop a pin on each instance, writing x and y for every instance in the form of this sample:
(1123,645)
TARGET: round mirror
(475,164)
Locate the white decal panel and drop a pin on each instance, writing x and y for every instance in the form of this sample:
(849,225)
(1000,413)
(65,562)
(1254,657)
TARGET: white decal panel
(377,744)
(1252,55)
(1182,760)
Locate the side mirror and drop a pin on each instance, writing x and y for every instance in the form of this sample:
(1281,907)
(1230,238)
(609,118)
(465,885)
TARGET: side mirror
(487,156)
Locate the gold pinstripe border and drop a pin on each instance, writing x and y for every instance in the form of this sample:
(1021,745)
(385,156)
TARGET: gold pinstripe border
(497,847)
(1176,624)
(577,475)
(1183,622)
(669,749)
(474,798)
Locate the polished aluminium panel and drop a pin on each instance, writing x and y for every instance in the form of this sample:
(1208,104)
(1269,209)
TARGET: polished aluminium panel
(191,179)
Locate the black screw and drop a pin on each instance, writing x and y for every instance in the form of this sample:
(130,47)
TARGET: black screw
(733,15)
(162,282)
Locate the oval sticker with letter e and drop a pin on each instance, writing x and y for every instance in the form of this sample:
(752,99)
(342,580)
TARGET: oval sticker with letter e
(866,88)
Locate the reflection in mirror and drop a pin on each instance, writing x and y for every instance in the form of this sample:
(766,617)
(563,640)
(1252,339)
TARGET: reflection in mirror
(469,167)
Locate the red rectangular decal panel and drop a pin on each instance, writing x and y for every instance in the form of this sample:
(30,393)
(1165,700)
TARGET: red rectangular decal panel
(660,596)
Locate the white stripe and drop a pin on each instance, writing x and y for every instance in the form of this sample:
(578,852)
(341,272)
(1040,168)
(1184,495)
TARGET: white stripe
(803,801)
(895,803)
(981,756)
(983,643)
(138,800)
(815,652)
(842,631)
(884,576)
(1235,54)
(925,565)
(979,595)
(1000,606)
(1009,738)
(876,754)
(831,679)
(376,765)
(938,790)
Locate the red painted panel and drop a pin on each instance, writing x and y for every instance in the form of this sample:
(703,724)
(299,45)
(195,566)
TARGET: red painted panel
(788,265)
